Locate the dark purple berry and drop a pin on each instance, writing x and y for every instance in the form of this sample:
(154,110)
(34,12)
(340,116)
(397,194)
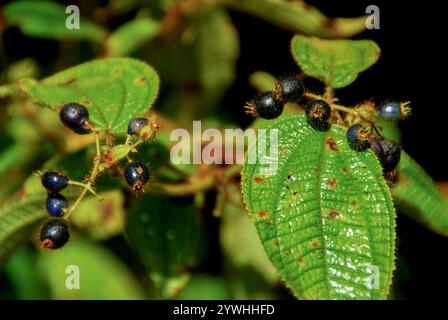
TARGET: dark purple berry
(318,112)
(54,233)
(136,125)
(390,111)
(267,106)
(74,116)
(56,203)
(54,181)
(394,111)
(388,153)
(358,137)
(136,175)
(291,89)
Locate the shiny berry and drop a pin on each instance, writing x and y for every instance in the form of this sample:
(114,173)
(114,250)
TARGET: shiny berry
(56,203)
(291,89)
(136,175)
(266,106)
(394,111)
(136,125)
(357,137)
(54,181)
(74,116)
(54,233)
(388,153)
(318,112)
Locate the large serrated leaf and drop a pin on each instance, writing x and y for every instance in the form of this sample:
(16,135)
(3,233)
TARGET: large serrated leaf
(416,195)
(46,19)
(335,62)
(17,221)
(114,90)
(325,217)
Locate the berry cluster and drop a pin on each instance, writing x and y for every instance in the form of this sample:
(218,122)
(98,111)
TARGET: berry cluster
(55,232)
(362,131)
(269,105)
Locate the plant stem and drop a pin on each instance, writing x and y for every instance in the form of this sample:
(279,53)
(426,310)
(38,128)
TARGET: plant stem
(87,187)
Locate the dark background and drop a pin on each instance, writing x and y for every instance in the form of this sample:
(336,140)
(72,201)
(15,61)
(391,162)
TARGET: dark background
(412,67)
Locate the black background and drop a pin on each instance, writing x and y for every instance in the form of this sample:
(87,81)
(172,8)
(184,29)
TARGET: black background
(412,67)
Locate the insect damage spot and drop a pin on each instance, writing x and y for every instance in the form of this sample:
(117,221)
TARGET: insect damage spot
(331,183)
(334,214)
(140,80)
(263,214)
(258,180)
(314,244)
(332,145)
(301,261)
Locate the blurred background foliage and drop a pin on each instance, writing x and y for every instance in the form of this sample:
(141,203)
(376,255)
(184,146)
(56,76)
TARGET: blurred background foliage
(208,54)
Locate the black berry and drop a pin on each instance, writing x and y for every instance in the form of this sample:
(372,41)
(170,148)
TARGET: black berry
(136,125)
(388,153)
(291,89)
(54,233)
(75,116)
(266,105)
(136,175)
(56,203)
(54,181)
(357,137)
(318,112)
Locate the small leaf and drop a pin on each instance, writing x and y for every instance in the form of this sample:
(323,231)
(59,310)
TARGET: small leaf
(114,90)
(416,195)
(325,216)
(101,275)
(335,62)
(167,237)
(17,222)
(130,36)
(46,19)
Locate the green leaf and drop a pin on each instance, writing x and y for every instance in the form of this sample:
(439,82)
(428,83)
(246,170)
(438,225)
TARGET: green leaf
(205,287)
(237,231)
(335,62)
(416,195)
(325,216)
(130,36)
(101,275)
(114,90)
(298,17)
(101,219)
(17,222)
(46,19)
(167,237)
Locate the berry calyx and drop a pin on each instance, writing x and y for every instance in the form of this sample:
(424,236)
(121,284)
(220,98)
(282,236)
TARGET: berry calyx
(318,112)
(54,234)
(136,125)
(54,181)
(290,89)
(358,137)
(388,153)
(267,106)
(75,116)
(394,111)
(136,175)
(56,203)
